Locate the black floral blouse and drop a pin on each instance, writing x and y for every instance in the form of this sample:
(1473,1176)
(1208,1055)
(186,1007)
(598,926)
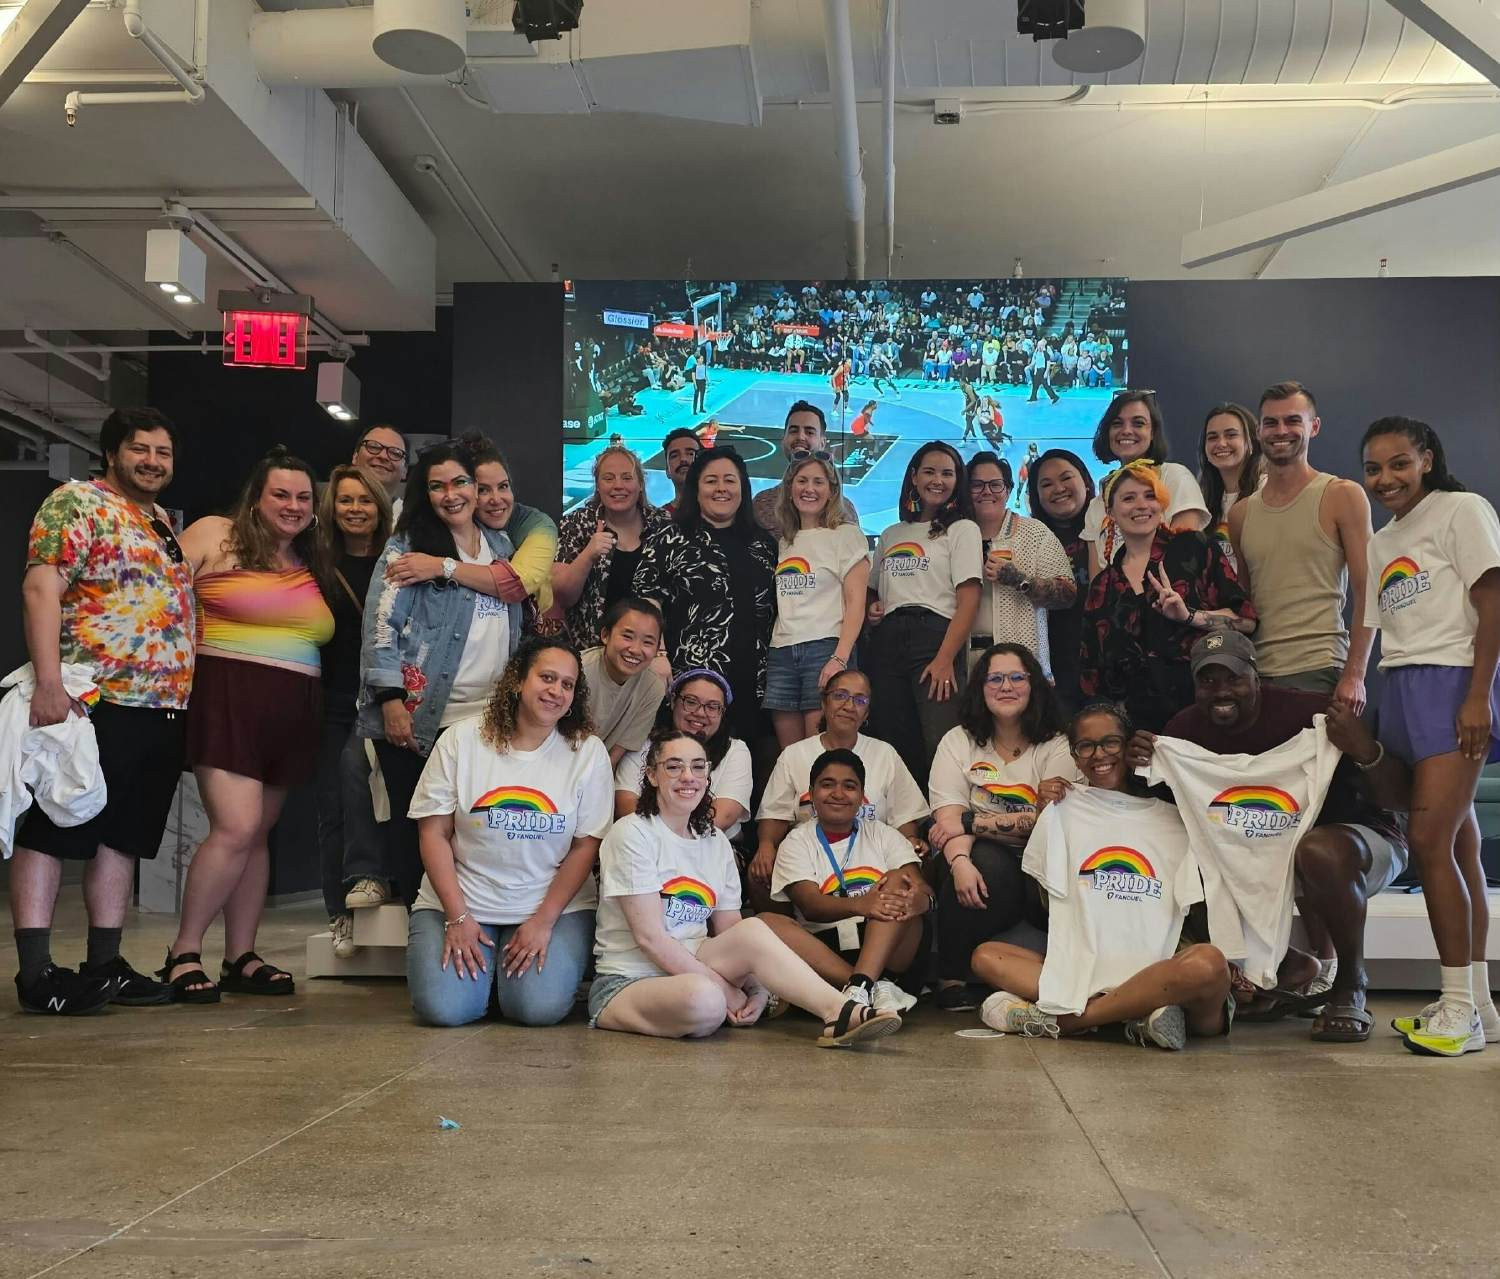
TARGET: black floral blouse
(583,619)
(1129,652)
(688,573)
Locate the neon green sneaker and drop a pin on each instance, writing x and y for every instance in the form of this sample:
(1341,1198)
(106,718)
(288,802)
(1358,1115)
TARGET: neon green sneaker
(1489,1019)
(1451,1031)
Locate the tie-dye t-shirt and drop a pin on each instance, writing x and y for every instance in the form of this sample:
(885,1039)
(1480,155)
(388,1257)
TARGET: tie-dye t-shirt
(127,612)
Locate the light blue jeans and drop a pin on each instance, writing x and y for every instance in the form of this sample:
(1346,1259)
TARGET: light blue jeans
(540,998)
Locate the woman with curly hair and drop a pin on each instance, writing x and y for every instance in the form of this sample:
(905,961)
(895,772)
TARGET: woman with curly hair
(675,959)
(254,722)
(510,810)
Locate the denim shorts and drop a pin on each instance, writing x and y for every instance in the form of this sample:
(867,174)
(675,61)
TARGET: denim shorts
(602,989)
(1419,711)
(792,674)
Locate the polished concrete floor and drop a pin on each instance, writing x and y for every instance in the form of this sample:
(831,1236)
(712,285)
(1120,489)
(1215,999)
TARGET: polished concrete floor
(301,1137)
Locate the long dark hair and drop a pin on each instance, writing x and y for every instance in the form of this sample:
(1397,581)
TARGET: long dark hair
(253,544)
(499,723)
(689,515)
(425,532)
(1065,530)
(1209,479)
(1041,721)
(1158,449)
(1422,436)
(958,507)
(701,819)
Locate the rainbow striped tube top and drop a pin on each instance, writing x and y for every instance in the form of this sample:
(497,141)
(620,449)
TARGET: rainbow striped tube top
(277,618)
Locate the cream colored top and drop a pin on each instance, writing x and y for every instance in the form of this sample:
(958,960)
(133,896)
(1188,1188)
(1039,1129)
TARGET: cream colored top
(1299,583)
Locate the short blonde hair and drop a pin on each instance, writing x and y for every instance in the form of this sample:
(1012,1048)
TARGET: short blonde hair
(619,450)
(788,521)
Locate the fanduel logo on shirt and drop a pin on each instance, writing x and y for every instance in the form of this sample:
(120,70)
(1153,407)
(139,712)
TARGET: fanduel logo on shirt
(1121,874)
(1401,581)
(794,576)
(1258,812)
(906,558)
(521,812)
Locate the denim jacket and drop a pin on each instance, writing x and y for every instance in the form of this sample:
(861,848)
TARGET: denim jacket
(414,639)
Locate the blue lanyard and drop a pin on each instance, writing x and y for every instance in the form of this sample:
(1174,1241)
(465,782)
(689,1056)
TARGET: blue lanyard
(834,861)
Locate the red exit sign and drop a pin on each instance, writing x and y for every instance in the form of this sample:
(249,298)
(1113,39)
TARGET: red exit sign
(265,339)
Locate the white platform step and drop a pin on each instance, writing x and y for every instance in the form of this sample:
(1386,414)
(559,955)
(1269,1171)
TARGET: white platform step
(381,925)
(368,961)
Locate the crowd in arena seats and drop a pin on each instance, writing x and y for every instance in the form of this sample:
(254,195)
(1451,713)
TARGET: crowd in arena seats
(716,761)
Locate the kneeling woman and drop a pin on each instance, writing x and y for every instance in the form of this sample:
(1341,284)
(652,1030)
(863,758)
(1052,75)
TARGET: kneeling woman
(674,957)
(1112,942)
(510,810)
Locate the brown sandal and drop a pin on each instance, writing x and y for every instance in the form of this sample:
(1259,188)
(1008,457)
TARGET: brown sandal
(856,1024)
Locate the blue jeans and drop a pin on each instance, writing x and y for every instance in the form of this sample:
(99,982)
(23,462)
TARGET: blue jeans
(537,999)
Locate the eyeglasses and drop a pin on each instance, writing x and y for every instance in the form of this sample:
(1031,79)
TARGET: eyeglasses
(375,448)
(677,767)
(988,486)
(1001,678)
(698,704)
(458,482)
(816,455)
(843,697)
(174,551)
(1086,748)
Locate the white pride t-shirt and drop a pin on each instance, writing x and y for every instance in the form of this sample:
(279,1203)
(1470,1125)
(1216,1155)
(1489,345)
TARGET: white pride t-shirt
(864,859)
(693,877)
(1421,569)
(891,794)
(486,650)
(810,571)
(515,815)
(732,779)
(981,779)
(1120,876)
(915,569)
(1247,814)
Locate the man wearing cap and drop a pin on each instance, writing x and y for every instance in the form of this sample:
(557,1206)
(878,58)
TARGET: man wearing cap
(1354,849)
(806,434)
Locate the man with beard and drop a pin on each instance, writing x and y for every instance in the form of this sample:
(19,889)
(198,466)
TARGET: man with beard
(679,449)
(806,433)
(106,588)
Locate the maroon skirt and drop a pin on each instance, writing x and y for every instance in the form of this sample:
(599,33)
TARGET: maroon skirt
(255,720)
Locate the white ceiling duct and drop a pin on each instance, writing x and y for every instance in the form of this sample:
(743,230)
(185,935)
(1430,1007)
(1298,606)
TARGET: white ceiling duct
(1113,36)
(426,37)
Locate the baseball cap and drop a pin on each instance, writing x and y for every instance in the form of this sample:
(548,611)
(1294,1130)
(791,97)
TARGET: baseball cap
(1224,647)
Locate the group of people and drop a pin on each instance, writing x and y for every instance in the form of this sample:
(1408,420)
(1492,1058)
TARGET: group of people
(1072,768)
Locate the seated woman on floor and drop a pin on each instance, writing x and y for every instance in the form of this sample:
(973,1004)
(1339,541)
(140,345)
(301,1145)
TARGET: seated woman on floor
(1119,877)
(861,901)
(674,958)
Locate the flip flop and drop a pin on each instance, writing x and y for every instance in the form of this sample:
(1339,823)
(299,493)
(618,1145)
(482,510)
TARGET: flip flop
(1282,1003)
(1342,1012)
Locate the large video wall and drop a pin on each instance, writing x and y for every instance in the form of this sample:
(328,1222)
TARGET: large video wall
(1017,366)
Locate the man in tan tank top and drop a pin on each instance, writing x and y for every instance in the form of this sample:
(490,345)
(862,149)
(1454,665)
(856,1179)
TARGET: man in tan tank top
(1300,545)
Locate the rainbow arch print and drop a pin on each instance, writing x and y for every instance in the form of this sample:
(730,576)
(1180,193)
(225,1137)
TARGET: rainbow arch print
(1117,859)
(1398,570)
(1011,792)
(685,888)
(858,879)
(1265,799)
(516,799)
(906,551)
(792,566)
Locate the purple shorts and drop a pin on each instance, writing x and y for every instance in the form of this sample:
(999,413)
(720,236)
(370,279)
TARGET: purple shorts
(1419,711)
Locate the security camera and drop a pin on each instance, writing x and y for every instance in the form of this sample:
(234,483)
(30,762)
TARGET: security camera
(70,109)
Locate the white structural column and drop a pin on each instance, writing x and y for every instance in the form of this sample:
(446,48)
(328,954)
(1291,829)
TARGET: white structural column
(1461,27)
(839,49)
(28,37)
(1400,184)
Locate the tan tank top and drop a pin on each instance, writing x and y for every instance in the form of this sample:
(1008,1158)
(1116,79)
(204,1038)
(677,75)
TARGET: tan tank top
(1299,582)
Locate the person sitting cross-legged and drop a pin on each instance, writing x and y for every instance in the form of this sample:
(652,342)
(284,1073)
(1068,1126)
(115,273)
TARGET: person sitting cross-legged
(858,889)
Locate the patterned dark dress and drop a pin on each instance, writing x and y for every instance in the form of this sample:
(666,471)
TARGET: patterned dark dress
(583,619)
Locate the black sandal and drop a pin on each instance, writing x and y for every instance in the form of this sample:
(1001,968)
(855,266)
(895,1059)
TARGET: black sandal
(265,980)
(182,985)
(857,1023)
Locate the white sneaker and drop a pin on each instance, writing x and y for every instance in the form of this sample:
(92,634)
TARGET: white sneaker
(1489,1020)
(1453,1030)
(858,992)
(342,928)
(367,892)
(1165,1028)
(888,997)
(1016,1016)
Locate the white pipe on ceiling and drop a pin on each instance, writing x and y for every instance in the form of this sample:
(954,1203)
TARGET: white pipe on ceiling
(98,371)
(324,48)
(54,428)
(61,239)
(838,48)
(192,91)
(888,131)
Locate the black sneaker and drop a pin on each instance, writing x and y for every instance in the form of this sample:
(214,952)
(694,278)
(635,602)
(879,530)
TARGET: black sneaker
(963,998)
(131,989)
(64,993)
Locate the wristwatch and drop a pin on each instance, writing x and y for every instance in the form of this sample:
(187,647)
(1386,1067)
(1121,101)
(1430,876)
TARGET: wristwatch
(968,821)
(450,567)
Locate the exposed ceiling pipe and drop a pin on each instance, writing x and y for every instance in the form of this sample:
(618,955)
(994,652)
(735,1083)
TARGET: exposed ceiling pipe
(98,371)
(192,91)
(61,239)
(15,408)
(427,165)
(324,48)
(888,132)
(839,49)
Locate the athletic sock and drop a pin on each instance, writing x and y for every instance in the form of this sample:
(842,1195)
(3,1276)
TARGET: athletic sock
(104,945)
(1480,981)
(1456,985)
(34,948)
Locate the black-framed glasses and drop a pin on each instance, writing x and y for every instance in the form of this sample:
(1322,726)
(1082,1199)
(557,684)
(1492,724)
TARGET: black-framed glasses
(698,704)
(375,448)
(163,531)
(1087,748)
(988,486)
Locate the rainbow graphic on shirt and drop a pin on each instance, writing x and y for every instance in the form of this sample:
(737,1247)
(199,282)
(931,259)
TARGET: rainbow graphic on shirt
(792,565)
(90,697)
(1009,796)
(904,558)
(1121,873)
(1257,811)
(1401,581)
(686,900)
(794,577)
(858,880)
(523,812)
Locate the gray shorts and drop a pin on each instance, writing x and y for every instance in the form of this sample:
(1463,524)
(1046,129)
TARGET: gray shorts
(1323,680)
(604,988)
(1387,859)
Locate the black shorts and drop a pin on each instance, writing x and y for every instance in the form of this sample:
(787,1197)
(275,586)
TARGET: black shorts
(141,752)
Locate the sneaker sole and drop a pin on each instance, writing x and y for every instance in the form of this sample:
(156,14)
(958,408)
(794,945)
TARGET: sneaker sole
(143,1001)
(87,1011)
(1434,1050)
(877,1027)
(1168,1031)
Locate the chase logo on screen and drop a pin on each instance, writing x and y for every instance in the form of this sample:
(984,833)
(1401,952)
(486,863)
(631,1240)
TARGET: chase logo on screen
(906,558)
(521,811)
(795,577)
(1401,581)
